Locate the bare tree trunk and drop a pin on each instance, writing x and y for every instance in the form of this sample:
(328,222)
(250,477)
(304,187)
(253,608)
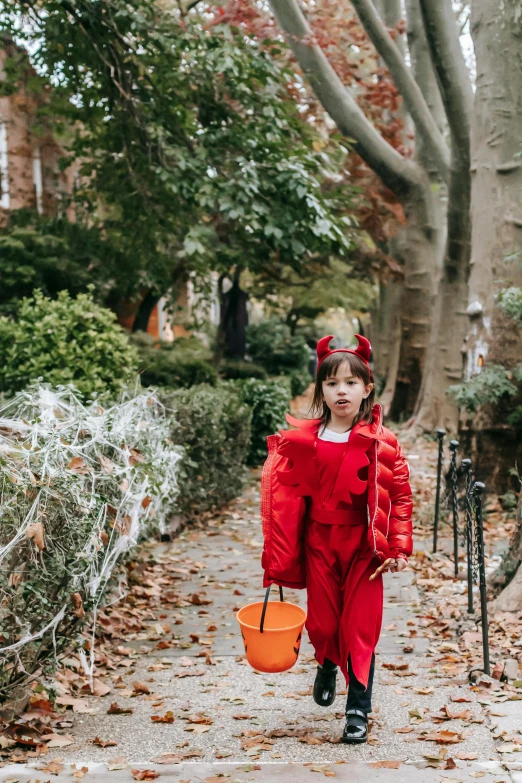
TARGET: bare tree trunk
(142,317)
(497,221)
(420,247)
(389,337)
(448,326)
(422,267)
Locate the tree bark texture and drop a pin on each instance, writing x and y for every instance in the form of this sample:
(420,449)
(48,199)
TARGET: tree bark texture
(496,204)
(397,173)
(388,330)
(448,324)
(420,251)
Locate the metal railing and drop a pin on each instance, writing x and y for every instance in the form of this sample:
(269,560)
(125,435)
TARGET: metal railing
(472,533)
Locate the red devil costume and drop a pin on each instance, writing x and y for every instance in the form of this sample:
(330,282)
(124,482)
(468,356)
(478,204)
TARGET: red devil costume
(331,513)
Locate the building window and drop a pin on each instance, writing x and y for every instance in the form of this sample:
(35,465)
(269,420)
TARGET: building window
(37,180)
(4,167)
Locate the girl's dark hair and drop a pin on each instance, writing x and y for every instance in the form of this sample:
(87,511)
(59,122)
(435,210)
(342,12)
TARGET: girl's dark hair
(327,369)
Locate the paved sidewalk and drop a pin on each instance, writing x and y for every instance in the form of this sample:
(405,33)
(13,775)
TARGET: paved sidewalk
(233,724)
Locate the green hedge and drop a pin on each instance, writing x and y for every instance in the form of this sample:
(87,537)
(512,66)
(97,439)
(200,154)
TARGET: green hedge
(232,369)
(272,345)
(65,341)
(269,401)
(213,426)
(180,364)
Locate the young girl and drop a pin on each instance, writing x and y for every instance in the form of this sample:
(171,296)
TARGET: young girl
(336,507)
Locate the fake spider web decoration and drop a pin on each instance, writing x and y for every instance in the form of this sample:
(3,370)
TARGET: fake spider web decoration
(79,486)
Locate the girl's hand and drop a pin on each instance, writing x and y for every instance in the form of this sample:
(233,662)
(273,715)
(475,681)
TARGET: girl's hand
(398,564)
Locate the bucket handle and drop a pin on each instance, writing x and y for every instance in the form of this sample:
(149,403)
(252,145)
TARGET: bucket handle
(261,625)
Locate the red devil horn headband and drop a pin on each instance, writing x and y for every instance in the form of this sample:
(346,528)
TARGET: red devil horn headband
(363,349)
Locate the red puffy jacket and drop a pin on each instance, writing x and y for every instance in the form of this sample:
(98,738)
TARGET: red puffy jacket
(289,480)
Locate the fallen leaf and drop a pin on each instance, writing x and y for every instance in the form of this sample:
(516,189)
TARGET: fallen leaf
(104,743)
(36,531)
(167,718)
(119,762)
(78,465)
(144,774)
(385,764)
(463,756)
(445,736)
(54,767)
(115,709)
(140,688)
(60,741)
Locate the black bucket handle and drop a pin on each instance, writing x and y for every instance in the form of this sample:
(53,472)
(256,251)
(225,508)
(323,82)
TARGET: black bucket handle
(261,625)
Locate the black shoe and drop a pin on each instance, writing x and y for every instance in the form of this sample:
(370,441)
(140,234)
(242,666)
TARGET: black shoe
(356,728)
(324,686)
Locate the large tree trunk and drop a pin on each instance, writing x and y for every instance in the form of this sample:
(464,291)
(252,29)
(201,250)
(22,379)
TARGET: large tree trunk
(448,325)
(420,252)
(420,247)
(388,332)
(142,317)
(497,223)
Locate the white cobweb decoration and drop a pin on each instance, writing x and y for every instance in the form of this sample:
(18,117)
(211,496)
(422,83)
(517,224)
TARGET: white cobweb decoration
(80,484)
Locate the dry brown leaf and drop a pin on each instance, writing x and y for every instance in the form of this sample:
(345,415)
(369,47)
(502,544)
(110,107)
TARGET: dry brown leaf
(385,764)
(78,465)
(463,756)
(107,464)
(77,601)
(396,666)
(167,718)
(104,743)
(36,532)
(119,762)
(54,767)
(78,705)
(115,709)
(144,774)
(442,737)
(140,688)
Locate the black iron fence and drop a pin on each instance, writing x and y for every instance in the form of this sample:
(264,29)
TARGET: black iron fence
(470,535)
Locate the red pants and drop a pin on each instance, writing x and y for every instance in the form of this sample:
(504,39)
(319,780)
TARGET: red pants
(344,607)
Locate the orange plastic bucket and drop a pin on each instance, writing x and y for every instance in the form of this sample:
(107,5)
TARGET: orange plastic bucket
(275,648)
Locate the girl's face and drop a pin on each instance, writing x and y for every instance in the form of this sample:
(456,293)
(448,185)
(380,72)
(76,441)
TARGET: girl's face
(344,392)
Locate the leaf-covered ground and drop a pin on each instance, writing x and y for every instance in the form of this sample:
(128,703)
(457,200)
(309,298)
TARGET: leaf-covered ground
(172,684)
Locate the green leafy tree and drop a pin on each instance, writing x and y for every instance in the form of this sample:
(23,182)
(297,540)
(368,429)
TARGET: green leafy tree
(191,148)
(303,296)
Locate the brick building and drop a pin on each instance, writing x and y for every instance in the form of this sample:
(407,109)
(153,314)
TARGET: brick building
(29,156)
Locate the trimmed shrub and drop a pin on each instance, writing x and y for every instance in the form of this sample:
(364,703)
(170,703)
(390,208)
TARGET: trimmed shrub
(180,364)
(166,368)
(80,485)
(231,369)
(269,402)
(272,345)
(213,426)
(65,341)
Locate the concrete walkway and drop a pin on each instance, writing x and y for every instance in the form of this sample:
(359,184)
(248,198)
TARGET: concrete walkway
(231,724)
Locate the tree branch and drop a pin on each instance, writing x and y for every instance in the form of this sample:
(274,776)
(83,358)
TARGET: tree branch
(405,83)
(452,74)
(397,173)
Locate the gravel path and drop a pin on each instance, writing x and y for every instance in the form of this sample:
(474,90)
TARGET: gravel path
(218,712)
